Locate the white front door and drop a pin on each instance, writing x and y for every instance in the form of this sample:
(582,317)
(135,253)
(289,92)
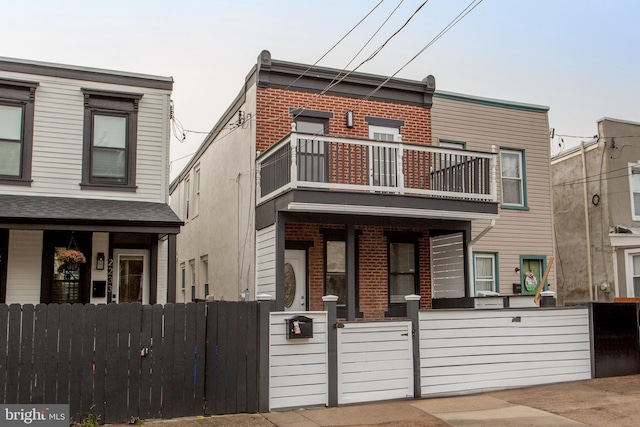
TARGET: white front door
(131,275)
(295,280)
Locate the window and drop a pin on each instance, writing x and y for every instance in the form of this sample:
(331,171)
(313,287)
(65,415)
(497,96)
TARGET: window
(311,151)
(531,271)
(110,140)
(383,160)
(187,192)
(204,261)
(16,131)
(485,272)
(403,279)
(183,277)
(512,178)
(335,276)
(335,267)
(633,272)
(192,269)
(634,187)
(196,190)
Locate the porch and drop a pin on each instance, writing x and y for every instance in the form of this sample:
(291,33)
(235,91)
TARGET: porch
(377,202)
(363,165)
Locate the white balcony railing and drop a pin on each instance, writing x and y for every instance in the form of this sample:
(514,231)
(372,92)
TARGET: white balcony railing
(325,162)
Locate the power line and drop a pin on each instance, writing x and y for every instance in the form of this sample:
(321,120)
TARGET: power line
(451,24)
(378,50)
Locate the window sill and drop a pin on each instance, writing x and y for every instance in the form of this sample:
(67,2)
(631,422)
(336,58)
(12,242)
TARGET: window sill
(514,208)
(396,311)
(16,181)
(109,187)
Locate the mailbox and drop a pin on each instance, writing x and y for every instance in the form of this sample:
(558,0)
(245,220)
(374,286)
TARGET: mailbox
(299,327)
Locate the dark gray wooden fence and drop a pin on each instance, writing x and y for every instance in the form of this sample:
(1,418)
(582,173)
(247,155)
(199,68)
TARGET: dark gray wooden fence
(120,361)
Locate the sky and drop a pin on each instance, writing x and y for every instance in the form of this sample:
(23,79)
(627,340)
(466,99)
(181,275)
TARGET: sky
(578,57)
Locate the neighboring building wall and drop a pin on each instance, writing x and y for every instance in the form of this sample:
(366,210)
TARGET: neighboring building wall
(480,124)
(607,171)
(274,119)
(58,139)
(223,226)
(568,210)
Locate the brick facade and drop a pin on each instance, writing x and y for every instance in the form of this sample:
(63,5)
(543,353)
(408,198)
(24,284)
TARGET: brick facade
(273,122)
(372,263)
(273,119)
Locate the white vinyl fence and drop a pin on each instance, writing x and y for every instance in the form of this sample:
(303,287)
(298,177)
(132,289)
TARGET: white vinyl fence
(467,351)
(375,361)
(298,370)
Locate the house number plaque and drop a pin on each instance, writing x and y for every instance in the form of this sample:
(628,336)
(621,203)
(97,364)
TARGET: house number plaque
(109,279)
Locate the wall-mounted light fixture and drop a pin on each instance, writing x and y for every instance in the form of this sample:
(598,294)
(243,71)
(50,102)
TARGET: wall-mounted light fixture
(349,119)
(100,261)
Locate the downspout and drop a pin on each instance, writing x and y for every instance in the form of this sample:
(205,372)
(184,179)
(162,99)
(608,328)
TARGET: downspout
(586,220)
(470,251)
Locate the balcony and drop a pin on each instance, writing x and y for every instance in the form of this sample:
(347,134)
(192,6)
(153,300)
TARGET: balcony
(363,165)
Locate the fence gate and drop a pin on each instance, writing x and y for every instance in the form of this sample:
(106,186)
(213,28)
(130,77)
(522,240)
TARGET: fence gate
(375,361)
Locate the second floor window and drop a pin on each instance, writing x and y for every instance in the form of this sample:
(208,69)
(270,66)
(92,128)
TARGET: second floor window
(110,140)
(16,131)
(512,178)
(634,187)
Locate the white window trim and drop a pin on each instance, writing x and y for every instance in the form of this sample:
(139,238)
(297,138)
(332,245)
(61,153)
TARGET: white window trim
(628,269)
(187,191)
(196,190)
(493,257)
(634,215)
(522,195)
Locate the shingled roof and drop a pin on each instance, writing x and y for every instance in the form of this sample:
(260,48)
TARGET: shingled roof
(19,209)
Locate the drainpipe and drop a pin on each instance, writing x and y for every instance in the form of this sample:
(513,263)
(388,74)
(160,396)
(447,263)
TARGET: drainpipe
(470,250)
(586,220)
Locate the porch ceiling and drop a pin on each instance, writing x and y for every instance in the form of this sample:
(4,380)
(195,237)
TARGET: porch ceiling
(40,212)
(385,205)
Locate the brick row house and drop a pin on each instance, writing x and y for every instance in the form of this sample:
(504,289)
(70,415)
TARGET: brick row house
(84,166)
(316,183)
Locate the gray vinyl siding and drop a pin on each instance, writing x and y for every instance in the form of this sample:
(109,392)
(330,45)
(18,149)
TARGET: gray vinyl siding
(517,232)
(58,139)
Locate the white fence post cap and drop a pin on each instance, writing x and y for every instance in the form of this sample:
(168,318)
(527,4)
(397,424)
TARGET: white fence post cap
(264,297)
(412,297)
(330,298)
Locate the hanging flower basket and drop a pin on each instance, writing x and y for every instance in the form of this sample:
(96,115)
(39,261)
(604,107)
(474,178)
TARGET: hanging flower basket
(70,258)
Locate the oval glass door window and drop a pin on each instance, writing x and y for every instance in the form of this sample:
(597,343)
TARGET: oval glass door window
(289,285)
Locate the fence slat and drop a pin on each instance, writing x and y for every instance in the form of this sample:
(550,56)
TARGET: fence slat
(64,348)
(201,349)
(157,362)
(135,320)
(26,354)
(221,359)
(75,379)
(39,354)
(116,380)
(210,389)
(252,357)
(100,355)
(190,360)
(232,357)
(241,358)
(145,362)
(13,357)
(180,368)
(4,313)
(51,362)
(168,361)
(86,365)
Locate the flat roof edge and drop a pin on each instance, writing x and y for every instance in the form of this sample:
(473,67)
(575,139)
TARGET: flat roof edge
(491,102)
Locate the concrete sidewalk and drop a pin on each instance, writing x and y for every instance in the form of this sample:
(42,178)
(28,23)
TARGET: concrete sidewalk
(599,402)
